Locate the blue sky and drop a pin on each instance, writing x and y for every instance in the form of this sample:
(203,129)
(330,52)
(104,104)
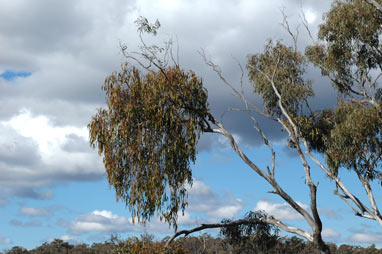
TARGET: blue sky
(11,75)
(55,56)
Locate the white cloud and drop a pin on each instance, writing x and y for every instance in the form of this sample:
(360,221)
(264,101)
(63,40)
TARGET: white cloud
(5,240)
(186,219)
(203,199)
(101,221)
(228,211)
(328,233)
(204,207)
(225,143)
(35,212)
(362,237)
(310,15)
(198,188)
(279,211)
(48,138)
(35,154)
(70,239)
(71,46)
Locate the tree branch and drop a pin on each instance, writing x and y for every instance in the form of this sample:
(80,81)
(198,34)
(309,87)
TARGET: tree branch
(272,221)
(375,4)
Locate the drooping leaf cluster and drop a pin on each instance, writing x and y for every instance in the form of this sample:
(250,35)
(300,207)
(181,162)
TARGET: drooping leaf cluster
(148,136)
(351,56)
(316,128)
(356,141)
(257,235)
(352,46)
(283,66)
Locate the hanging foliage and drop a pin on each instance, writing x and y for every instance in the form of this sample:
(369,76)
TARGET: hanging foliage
(148,136)
(285,67)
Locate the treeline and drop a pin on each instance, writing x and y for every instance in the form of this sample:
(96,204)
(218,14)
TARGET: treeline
(203,244)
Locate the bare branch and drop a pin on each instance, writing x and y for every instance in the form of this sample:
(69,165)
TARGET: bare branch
(267,177)
(272,221)
(285,24)
(306,25)
(340,184)
(240,95)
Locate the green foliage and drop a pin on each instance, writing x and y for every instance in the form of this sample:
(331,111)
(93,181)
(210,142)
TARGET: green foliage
(56,246)
(134,245)
(356,142)
(349,137)
(352,47)
(17,250)
(286,67)
(349,54)
(148,137)
(257,235)
(204,244)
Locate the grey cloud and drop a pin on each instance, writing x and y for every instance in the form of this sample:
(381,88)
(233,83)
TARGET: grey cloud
(17,150)
(101,221)
(46,25)
(71,46)
(328,233)
(366,237)
(205,206)
(36,212)
(5,240)
(26,174)
(22,190)
(59,112)
(76,143)
(203,199)
(3,201)
(329,213)
(75,74)
(238,36)
(33,223)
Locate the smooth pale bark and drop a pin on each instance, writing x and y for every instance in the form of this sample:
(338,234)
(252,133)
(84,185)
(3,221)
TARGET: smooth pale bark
(375,4)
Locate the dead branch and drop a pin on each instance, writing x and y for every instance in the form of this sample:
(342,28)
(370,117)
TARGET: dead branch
(272,221)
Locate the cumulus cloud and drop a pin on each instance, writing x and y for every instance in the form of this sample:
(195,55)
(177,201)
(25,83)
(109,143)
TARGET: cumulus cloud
(34,155)
(203,199)
(362,236)
(328,233)
(70,239)
(5,240)
(100,221)
(281,211)
(205,206)
(69,48)
(36,212)
(366,238)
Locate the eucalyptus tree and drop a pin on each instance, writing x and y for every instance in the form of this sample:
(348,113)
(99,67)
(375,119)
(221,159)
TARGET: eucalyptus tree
(157,112)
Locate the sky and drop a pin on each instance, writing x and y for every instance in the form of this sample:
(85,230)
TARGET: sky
(54,58)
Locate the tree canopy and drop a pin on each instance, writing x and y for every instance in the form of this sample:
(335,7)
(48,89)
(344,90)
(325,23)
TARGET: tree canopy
(148,137)
(157,112)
